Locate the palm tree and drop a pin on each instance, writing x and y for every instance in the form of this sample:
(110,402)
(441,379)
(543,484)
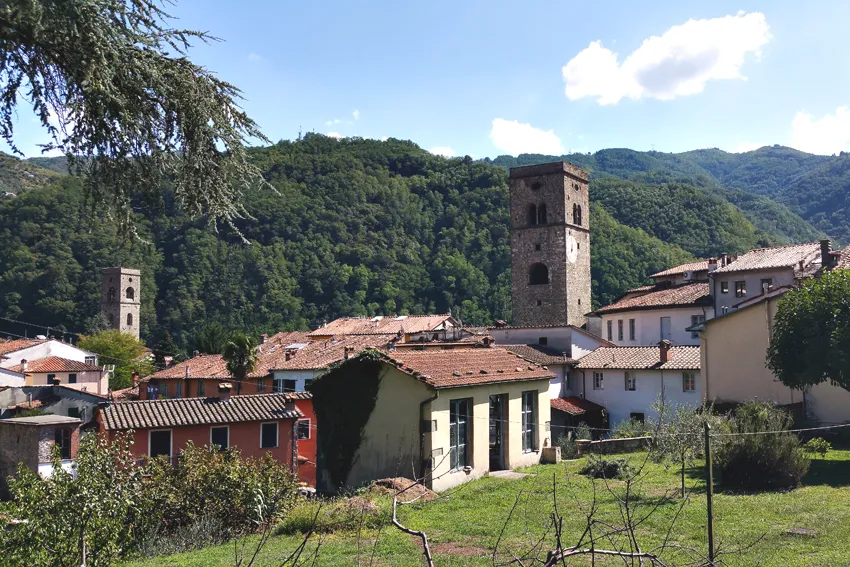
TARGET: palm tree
(240,354)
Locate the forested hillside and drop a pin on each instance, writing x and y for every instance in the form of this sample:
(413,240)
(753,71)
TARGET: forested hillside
(355,227)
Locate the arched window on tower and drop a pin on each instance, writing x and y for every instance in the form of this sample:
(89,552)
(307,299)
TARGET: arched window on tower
(532,214)
(130,293)
(577,214)
(129,319)
(111,318)
(538,274)
(541,213)
(111,294)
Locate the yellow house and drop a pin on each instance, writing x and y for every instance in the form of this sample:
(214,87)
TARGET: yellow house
(733,351)
(443,416)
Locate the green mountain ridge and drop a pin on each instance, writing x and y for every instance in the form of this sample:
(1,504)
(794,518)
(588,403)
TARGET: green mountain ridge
(362,227)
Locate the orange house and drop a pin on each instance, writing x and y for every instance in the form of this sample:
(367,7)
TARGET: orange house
(256,424)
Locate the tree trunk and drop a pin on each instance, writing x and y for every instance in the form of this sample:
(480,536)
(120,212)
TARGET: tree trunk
(683,476)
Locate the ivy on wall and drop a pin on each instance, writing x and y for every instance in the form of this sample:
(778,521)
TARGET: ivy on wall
(343,399)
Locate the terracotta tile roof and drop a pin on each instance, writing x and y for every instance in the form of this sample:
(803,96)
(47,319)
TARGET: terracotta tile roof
(698,266)
(56,364)
(642,288)
(12,346)
(284,339)
(539,354)
(389,324)
(174,412)
(466,367)
(320,354)
(131,393)
(682,295)
(637,358)
(202,366)
(776,257)
(844,260)
(574,405)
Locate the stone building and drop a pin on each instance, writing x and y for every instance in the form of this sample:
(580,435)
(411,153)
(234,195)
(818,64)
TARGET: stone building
(120,298)
(30,441)
(550,244)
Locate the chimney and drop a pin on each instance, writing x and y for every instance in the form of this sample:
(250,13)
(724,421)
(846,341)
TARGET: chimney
(135,378)
(187,371)
(487,340)
(712,264)
(347,352)
(264,338)
(224,391)
(825,256)
(24,365)
(196,353)
(288,355)
(665,350)
(724,259)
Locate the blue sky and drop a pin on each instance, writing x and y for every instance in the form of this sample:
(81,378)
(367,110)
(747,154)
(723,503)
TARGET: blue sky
(497,77)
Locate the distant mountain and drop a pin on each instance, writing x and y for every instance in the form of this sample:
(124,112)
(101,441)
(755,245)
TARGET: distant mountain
(17,175)
(58,164)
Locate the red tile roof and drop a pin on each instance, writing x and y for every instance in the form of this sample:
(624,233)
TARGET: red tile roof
(56,364)
(844,260)
(776,257)
(202,366)
(12,346)
(320,354)
(574,405)
(466,367)
(174,412)
(698,266)
(637,358)
(539,354)
(678,296)
(382,325)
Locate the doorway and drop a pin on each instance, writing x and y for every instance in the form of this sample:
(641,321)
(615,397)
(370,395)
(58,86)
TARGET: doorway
(497,432)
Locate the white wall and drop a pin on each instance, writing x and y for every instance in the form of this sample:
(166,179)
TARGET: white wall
(828,404)
(46,470)
(562,339)
(781,277)
(300,376)
(8,378)
(648,325)
(620,403)
(44,350)
(94,382)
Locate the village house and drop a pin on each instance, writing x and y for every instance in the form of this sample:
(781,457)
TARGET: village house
(408,328)
(256,424)
(446,416)
(16,353)
(55,370)
(627,380)
(54,400)
(31,440)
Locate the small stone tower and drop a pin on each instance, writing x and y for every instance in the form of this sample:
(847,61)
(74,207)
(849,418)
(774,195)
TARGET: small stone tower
(120,299)
(550,244)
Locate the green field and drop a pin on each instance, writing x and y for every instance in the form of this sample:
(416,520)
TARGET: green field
(464,524)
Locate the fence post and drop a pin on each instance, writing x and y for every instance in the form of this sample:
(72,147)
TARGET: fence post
(709,492)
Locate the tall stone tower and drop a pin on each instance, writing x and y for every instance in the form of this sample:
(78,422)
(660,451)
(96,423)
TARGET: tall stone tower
(550,244)
(120,299)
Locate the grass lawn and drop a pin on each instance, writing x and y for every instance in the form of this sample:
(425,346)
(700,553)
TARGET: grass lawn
(464,523)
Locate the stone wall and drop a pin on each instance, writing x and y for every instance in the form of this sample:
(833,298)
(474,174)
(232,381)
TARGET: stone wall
(18,444)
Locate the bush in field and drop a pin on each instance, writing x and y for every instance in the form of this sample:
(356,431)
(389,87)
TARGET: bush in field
(606,467)
(567,442)
(630,428)
(818,445)
(765,461)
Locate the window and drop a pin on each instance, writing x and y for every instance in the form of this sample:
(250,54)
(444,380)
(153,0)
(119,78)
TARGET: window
(178,390)
(724,287)
(62,438)
(537,248)
(72,378)
(153,390)
(268,435)
(532,214)
(238,387)
(129,319)
(539,303)
(541,214)
(536,185)
(51,378)
(303,429)
(631,329)
(159,443)
(767,284)
(261,385)
(281,385)
(665,329)
(610,331)
(619,329)
(577,214)
(459,433)
(75,412)
(543,341)
(741,288)
(598,383)
(689,382)
(631,382)
(201,388)
(538,274)
(163,390)
(111,319)
(91,360)
(637,416)
(696,320)
(111,294)
(220,437)
(130,293)
(529,421)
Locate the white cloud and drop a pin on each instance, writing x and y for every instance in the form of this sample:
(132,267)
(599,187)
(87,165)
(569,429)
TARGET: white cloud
(384,138)
(678,63)
(356,114)
(515,138)
(826,135)
(336,135)
(444,151)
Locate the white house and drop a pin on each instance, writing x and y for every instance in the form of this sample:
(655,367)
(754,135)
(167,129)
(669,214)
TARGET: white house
(34,362)
(12,353)
(627,380)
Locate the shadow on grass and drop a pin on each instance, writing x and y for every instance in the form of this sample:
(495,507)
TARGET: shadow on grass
(834,473)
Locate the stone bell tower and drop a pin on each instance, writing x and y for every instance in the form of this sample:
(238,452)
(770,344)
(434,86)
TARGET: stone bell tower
(120,299)
(550,245)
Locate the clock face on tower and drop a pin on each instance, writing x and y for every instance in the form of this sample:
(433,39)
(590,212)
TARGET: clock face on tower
(572,249)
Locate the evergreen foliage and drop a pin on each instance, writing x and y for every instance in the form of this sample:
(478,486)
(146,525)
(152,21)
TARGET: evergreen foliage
(122,350)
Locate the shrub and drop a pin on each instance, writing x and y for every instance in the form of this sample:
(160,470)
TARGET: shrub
(605,467)
(630,428)
(583,431)
(818,445)
(339,514)
(567,443)
(761,462)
